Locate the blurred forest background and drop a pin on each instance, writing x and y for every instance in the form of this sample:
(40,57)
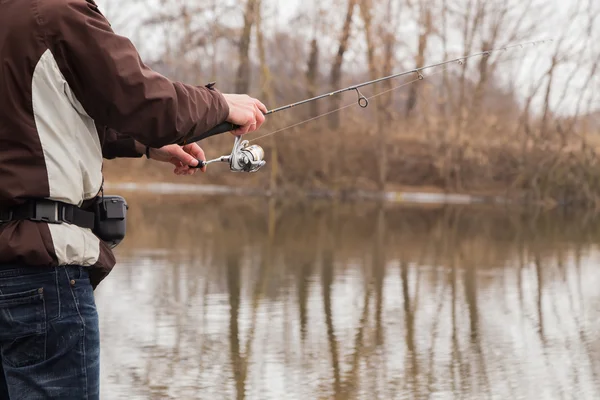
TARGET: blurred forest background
(524,122)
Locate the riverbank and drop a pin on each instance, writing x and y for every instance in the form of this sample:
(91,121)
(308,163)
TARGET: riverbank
(414,195)
(473,170)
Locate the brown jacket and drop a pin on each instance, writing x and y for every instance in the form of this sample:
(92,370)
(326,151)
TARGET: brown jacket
(73,92)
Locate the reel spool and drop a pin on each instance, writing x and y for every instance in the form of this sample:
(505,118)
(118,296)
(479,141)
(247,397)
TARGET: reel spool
(246,158)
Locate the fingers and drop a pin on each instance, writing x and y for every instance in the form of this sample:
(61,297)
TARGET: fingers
(261,106)
(186,157)
(180,168)
(260,117)
(183,156)
(242,130)
(254,123)
(245,111)
(186,170)
(196,152)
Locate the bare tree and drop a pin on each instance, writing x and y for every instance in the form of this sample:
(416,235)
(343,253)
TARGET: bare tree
(514,122)
(243,75)
(426,29)
(312,75)
(336,69)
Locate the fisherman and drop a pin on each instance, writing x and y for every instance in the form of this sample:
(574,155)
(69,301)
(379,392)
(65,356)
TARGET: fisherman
(72,93)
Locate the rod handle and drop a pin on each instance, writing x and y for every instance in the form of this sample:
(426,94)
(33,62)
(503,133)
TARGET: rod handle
(221,128)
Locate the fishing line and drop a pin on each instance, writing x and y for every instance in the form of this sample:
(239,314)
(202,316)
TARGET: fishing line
(420,78)
(363,101)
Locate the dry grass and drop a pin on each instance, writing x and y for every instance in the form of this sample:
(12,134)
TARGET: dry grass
(488,158)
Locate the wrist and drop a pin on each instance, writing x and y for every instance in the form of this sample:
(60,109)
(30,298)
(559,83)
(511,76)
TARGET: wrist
(148,152)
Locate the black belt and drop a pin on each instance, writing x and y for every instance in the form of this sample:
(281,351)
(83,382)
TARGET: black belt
(52,212)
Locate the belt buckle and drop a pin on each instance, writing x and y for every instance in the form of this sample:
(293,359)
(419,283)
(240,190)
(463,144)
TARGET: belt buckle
(10,217)
(46,211)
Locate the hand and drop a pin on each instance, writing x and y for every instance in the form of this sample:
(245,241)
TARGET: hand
(182,157)
(246,112)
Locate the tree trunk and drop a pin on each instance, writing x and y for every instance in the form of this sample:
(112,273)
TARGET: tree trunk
(365,11)
(426,27)
(336,78)
(242,83)
(266,92)
(336,69)
(312,75)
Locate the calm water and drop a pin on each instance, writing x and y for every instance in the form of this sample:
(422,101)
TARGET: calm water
(245,299)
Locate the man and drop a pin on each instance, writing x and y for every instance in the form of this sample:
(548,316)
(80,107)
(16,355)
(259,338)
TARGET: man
(72,92)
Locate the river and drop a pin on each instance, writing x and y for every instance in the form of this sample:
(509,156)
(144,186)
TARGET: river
(246,298)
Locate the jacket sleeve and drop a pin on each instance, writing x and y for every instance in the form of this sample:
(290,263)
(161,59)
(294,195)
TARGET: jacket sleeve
(117,145)
(116,89)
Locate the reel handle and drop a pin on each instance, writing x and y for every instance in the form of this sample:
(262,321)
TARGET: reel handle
(221,128)
(201,164)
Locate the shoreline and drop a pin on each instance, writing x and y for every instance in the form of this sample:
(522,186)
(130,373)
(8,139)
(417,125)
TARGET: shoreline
(415,196)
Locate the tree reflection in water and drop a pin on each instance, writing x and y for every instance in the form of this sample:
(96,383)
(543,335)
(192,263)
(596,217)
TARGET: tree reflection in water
(219,299)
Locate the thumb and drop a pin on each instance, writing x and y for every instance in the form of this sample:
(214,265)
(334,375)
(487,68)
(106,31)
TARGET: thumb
(185,158)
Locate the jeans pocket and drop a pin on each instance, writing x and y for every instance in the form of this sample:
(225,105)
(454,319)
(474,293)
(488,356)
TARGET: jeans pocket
(23,327)
(79,276)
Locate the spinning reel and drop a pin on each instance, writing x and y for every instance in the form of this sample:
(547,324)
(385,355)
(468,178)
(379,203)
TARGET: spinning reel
(243,158)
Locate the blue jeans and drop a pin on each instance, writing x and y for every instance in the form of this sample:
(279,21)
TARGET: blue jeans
(49,335)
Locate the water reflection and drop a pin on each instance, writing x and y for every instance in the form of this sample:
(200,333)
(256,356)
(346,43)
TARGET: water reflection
(253,299)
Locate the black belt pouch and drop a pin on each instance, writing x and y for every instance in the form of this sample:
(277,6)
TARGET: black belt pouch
(111,219)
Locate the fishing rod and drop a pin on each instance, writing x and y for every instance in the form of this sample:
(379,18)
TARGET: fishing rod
(250,158)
